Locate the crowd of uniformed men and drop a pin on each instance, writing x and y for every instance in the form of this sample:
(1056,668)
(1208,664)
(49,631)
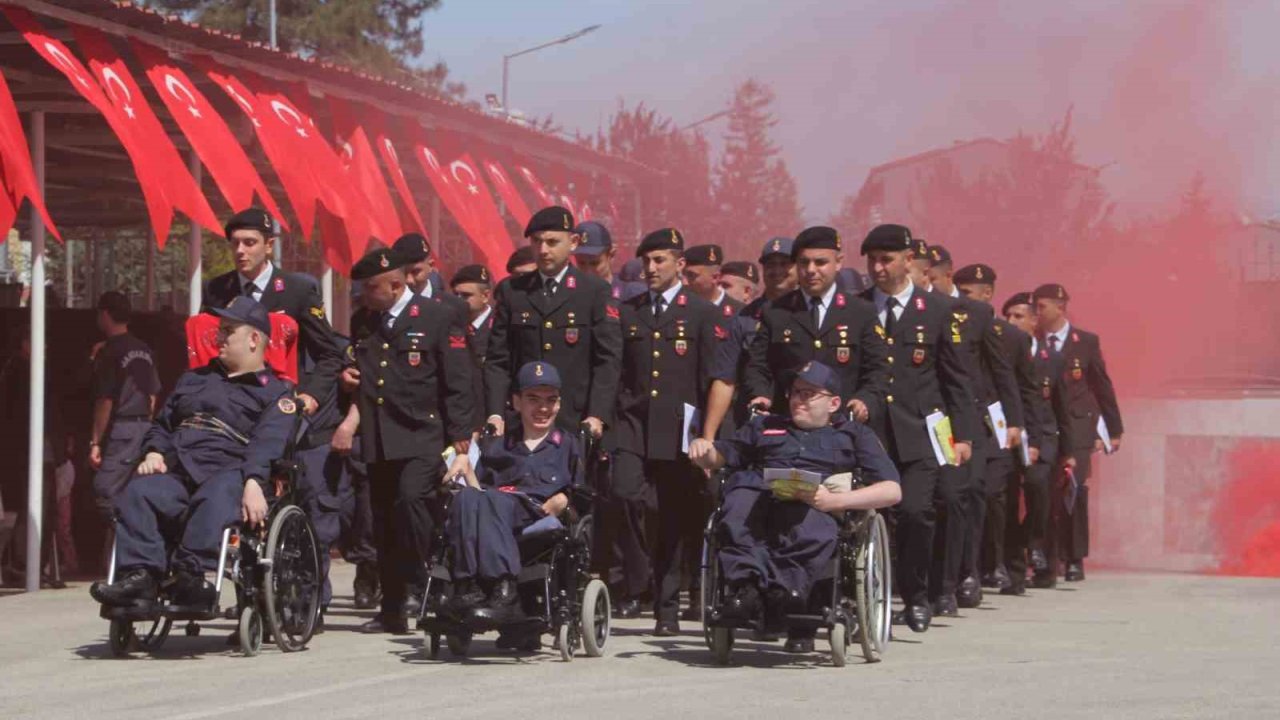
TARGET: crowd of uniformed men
(632,349)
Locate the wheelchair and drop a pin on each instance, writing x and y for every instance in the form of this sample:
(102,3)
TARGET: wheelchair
(557,592)
(276,572)
(851,601)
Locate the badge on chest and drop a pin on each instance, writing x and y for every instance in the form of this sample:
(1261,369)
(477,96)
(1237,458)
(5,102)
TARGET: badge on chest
(682,347)
(415,359)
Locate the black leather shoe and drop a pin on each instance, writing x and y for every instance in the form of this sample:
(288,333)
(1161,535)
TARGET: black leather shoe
(667,628)
(137,584)
(945,606)
(465,597)
(918,618)
(518,641)
(744,603)
(191,590)
(1044,580)
(627,610)
(796,604)
(1075,571)
(412,606)
(1039,562)
(1017,585)
(396,625)
(799,641)
(503,604)
(969,594)
(997,579)
(365,587)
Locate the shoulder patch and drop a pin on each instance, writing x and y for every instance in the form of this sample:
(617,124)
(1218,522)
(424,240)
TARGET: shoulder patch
(317,311)
(612,312)
(999,329)
(279,284)
(728,310)
(457,342)
(287,405)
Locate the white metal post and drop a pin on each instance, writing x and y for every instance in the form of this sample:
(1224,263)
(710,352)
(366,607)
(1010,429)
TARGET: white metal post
(69,268)
(195,258)
(35,416)
(326,291)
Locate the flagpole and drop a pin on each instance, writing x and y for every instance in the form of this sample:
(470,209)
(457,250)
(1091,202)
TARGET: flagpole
(35,414)
(195,250)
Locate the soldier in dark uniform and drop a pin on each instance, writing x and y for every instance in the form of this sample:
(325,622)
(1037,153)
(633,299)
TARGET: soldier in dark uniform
(421,275)
(1076,358)
(522,261)
(957,580)
(595,254)
(206,457)
(414,397)
(977,283)
(781,547)
(474,285)
(929,376)
(1026,540)
(818,322)
(739,280)
(669,339)
(702,276)
(558,315)
(522,478)
(125,386)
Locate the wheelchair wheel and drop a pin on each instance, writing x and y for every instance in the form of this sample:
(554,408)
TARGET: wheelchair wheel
(709,580)
(433,645)
(250,630)
(839,644)
(292,580)
(721,644)
(124,636)
(459,645)
(596,617)
(566,641)
(872,589)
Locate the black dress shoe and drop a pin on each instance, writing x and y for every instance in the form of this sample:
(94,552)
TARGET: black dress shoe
(137,584)
(799,641)
(945,606)
(365,587)
(998,578)
(466,595)
(518,641)
(395,625)
(1075,571)
(1017,586)
(190,590)
(1044,579)
(969,594)
(918,618)
(667,628)
(503,605)
(743,604)
(1039,562)
(412,606)
(627,610)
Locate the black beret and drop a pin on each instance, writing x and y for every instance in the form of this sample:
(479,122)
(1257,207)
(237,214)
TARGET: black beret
(471,274)
(975,274)
(887,237)
(703,255)
(1022,298)
(818,237)
(1051,291)
(664,239)
(938,255)
(742,269)
(550,218)
(412,248)
(920,248)
(376,262)
(251,219)
(522,256)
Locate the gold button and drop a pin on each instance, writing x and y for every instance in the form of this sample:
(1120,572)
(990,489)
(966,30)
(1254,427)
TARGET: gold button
(656,353)
(382,363)
(547,324)
(431,415)
(386,346)
(889,399)
(890,379)
(890,341)
(655,373)
(653,393)
(657,334)
(379,401)
(817,344)
(890,359)
(546,346)
(381,382)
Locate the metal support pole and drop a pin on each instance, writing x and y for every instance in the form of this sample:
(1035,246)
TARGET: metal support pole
(69,269)
(195,287)
(326,291)
(506,63)
(35,415)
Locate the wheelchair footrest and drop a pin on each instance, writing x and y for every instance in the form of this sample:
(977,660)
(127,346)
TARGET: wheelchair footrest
(191,612)
(140,611)
(813,622)
(445,626)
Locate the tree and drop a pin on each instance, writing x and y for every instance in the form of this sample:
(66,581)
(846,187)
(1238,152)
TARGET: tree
(754,193)
(383,37)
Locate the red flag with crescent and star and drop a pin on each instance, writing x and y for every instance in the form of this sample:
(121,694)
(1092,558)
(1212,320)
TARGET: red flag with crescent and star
(17,176)
(507,191)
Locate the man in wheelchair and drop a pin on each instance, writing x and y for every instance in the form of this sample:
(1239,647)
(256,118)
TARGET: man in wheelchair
(206,457)
(522,478)
(774,550)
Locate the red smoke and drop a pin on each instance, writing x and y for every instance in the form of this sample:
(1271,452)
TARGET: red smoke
(1247,514)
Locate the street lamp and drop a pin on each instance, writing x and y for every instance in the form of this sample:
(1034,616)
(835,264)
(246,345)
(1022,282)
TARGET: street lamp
(506,59)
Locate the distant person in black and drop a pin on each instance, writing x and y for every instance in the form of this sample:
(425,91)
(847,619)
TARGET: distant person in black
(125,386)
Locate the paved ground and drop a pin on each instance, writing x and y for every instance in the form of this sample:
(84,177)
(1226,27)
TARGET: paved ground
(1116,646)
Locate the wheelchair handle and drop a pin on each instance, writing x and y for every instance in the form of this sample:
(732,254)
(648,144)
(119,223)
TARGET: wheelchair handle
(489,430)
(758,409)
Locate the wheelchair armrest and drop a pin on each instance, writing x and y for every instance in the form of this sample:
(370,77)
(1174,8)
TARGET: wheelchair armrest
(285,466)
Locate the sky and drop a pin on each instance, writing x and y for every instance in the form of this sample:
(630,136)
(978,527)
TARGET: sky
(1160,90)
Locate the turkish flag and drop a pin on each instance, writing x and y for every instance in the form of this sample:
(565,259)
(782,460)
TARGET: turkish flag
(178,186)
(493,239)
(56,54)
(507,191)
(409,216)
(536,185)
(214,143)
(361,164)
(17,176)
(443,183)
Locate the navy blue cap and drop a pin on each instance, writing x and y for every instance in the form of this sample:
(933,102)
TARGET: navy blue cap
(664,239)
(412,247)
(550,218)
(251,219)
(893,238)
(850,281)
(776,246)
(938,255)
(1051,291)
(632,271)
(815,373)
(246,311)
(1022,298)
(537,374)
(633,288)
(375,262)
(595,238)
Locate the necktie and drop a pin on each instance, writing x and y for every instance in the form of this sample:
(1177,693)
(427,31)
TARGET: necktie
(249,289)
(890,318)
(1053,344)
(658,301)
(815,311)
(550,286)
